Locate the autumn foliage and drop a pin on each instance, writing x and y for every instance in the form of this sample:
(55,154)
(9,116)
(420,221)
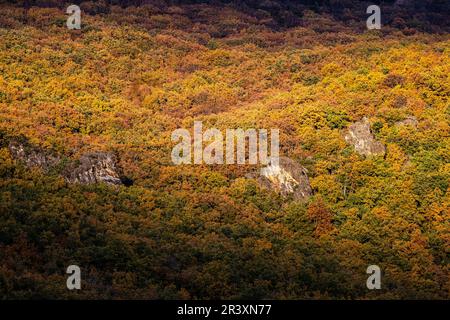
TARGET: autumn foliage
(134,73)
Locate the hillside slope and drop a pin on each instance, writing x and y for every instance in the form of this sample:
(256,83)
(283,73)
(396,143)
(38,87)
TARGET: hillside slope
(133,74)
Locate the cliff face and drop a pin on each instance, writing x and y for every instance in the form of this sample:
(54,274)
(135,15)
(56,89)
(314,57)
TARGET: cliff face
(90,168)
(32,156)
(288,178)
(361,137)
(94,168)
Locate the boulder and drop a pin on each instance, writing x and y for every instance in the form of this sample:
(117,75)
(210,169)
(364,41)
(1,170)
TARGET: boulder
(90,168)
(361,137)
(32,156)
(287,178)
(409,121)
(94,168)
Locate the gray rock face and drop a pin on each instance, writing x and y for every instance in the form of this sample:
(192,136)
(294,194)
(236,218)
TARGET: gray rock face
(361,137)
(409,121)
(287,178)
(90,168)
(32,156)
(94,168)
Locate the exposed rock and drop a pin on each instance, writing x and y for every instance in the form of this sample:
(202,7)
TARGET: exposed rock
(361,137)
(90,168)
(94,168)
(287,178)
(409,121)
(32,156)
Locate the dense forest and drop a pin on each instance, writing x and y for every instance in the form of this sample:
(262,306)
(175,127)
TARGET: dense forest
(138,70)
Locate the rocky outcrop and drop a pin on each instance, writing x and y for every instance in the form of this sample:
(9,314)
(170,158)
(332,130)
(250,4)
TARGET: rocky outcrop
(32,156)
(361,137)
(94,168)
(409,121)
(90,168)
(287,178)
